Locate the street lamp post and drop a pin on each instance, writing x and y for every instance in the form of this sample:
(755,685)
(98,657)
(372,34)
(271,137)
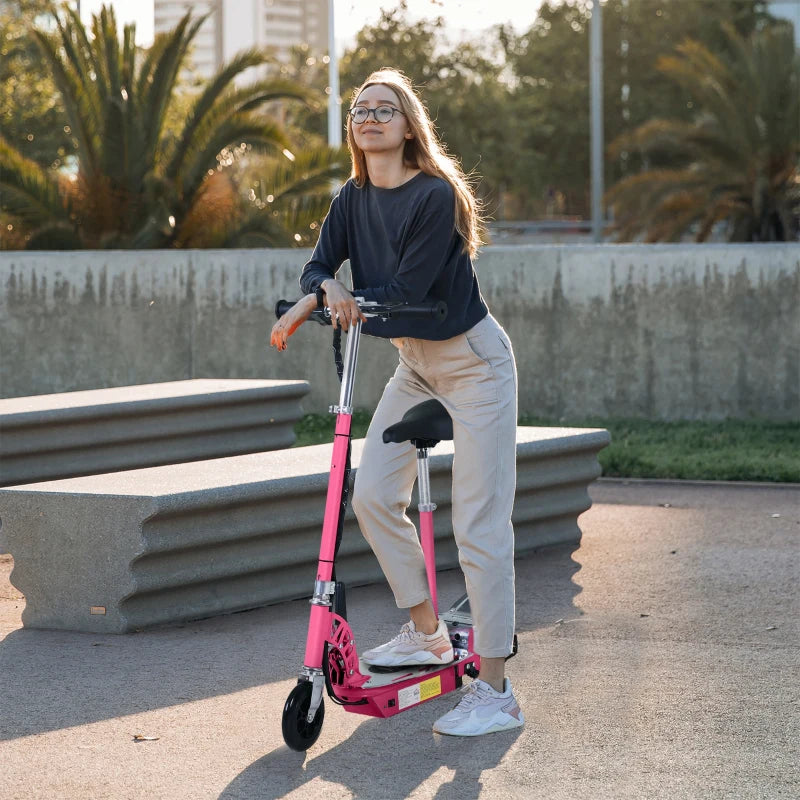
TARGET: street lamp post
(334,114)
(596,79)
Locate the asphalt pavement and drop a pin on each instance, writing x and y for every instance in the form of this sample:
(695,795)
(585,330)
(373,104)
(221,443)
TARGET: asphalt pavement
(660,658)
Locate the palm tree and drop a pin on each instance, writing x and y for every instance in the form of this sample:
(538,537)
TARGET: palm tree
(737,163)
(138,185)
(294,193)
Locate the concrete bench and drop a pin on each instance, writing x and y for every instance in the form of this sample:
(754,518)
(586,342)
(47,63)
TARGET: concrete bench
(119,552)
(104,430)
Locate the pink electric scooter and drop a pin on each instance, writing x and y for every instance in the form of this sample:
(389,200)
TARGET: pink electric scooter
(331,659)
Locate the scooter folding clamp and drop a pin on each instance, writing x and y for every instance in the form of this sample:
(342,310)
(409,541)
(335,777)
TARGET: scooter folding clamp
(309,673)
(322,593)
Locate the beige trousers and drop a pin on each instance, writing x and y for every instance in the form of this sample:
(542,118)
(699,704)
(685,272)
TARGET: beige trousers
(474,377)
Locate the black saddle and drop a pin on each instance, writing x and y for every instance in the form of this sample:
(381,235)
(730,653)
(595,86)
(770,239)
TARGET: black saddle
(424,425)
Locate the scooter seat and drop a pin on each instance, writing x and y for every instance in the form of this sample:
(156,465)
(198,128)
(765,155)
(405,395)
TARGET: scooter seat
(424,425)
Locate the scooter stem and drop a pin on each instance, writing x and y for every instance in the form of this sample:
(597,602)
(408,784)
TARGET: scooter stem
(320,617)
(349,369)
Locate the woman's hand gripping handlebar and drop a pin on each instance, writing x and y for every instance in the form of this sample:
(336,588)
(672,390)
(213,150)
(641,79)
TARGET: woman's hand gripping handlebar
(344,307)
(292,314)
(344,311)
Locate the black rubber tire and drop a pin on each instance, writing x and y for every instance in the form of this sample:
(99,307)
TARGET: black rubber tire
(298,733)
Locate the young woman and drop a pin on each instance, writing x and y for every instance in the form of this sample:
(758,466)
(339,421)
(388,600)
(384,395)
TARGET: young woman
(409,223)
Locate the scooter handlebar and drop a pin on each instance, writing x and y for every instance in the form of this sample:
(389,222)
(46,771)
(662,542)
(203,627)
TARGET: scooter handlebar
(437,311)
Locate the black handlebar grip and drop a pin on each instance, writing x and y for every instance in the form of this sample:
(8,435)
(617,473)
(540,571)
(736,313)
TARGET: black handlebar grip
(318,315)
(282,306)
(438,311)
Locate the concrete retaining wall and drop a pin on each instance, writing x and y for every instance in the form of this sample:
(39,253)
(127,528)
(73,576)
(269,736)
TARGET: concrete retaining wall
(664,331)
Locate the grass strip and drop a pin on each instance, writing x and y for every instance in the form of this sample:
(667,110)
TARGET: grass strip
(727,450)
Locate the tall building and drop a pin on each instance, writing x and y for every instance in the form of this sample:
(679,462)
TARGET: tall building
(295,22)
(235,25)
(207,50)
(788,10)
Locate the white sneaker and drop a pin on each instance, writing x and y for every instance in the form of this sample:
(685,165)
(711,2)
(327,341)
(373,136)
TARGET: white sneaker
(482,710)
(412,648)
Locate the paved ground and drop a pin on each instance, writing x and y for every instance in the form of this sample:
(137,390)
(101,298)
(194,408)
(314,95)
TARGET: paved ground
(657,660)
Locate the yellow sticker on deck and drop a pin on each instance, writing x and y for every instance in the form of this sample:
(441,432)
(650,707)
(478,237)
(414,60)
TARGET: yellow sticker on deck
(430,688)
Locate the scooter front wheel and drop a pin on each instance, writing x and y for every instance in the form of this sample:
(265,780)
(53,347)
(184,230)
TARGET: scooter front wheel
(298,732)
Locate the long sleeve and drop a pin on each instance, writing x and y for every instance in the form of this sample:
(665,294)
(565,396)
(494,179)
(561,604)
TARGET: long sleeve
(331,250)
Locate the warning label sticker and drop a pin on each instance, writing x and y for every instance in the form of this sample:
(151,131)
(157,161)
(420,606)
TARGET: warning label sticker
(419,692)
(430,688)
(408,696)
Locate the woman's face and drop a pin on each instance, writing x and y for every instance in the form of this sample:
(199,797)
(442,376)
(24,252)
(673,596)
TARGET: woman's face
(380,137)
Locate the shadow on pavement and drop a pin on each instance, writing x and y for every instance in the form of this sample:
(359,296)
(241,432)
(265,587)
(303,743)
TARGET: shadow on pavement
(57,679)
(377,760)
(51,680)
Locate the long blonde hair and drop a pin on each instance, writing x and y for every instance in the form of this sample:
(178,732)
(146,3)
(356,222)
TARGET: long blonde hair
(425,152)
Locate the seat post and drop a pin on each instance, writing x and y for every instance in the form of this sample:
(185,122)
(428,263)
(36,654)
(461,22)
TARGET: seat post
(424,481)
(426,509)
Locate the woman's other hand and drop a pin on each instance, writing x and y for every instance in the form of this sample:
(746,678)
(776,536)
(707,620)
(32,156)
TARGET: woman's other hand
(292,320)
(343,306)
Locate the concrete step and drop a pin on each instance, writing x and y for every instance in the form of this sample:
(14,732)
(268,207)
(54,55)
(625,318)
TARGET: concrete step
(64,435)
(123,551)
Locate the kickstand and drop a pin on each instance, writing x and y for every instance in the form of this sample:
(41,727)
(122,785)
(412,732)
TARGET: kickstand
(514,648)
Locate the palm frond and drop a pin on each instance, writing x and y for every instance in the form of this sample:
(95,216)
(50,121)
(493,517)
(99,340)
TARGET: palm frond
(312,170)
(259,229)
(217,103)
(233,104)
(271,90)
(109,43)
(158,92)
(302,216)
(262,135)
(152,58)
(78,107)
(55,236)
(115,154)
(26,190)
(128,57)
(136,166)
(299,191)
(80,55)
(712,88)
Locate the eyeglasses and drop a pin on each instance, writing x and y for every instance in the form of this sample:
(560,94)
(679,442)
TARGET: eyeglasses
(380,114)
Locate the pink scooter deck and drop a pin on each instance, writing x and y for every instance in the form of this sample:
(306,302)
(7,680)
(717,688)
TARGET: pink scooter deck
(376,692)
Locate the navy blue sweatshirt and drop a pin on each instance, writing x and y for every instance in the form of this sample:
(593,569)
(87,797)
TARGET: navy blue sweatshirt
(403,248)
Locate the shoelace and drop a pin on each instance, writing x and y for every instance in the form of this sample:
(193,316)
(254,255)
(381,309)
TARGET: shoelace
(406,634)
(475,694)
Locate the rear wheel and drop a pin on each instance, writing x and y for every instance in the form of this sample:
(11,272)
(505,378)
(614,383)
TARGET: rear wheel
(298,732)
